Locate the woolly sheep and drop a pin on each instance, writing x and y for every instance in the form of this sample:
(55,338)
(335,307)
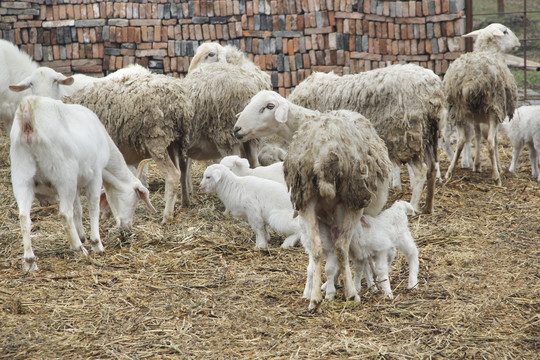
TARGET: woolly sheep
(524,129)
(212,52)
(405,104)
(59,149)
(335,167)
(240,167)
(261,202)
(480,89)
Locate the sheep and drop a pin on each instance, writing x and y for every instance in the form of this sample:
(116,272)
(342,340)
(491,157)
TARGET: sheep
(480,89)
(271,151)
(336,167)
(405,104)
(262,202)
(240,167)
(377,238)
(173,120)
(524,129)
(212,52)
(58,149)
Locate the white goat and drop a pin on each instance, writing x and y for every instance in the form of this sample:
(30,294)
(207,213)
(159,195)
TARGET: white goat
(260,201)
(58,149)
(524,129)
(374,239)
(240,167)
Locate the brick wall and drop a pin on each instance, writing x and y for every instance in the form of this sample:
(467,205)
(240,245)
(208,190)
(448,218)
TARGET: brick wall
(289,39)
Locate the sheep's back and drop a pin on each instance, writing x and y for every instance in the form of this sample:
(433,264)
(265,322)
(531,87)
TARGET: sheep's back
(477,84)
(403,102)
(339,148)
(141,110)
(220,91)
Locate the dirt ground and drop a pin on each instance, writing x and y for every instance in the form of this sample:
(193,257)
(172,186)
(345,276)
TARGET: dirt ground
(199,289)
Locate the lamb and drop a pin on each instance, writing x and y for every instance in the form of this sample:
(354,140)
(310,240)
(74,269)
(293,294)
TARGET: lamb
(405,104)
(376,239)
(261,202)
(336,167)
(240,167)
(524,129)
(480,89)
(150,115)
(58,149)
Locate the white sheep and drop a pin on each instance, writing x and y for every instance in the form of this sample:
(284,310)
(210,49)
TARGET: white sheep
(262,202)
(59,149)
(240,167)
(480,89)
(336,167)
(405,104)
(524,129)
(212,52)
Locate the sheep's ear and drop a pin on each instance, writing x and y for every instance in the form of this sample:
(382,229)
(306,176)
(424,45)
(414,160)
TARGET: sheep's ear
(282,112)
(66,80)
(216,175)
(23,85)
(144,195)
(364,221)
(472,34)
(103,203)
(497,33)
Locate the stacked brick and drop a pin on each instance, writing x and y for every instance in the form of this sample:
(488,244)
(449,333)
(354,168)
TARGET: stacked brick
(289,38)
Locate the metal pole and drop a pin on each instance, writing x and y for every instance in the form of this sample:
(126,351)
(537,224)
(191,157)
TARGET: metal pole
(469,24)
(525,49)
(500,7)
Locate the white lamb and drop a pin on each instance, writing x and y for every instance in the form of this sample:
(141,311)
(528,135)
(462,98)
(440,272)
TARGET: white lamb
(524,129)
(260,201)
(240,167)
(59,149)
(375,240)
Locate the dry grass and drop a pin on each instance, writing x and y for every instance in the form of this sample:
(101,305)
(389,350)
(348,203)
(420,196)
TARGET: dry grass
(198,289)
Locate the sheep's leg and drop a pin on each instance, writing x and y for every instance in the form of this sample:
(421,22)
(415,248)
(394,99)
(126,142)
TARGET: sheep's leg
(420,171)
(172,180)
(412,177)
(93,192)
(396,176)
(185,180)
(477,166)
(533,157)
(381,273)
(332,273)
(312,229)
(25,196)
(250,150)
(309,278)
(516,152)
(466,159)
(492,146)
(359,266)
(77,217)
(346,220)
(261,234)
(67,199)
(457,153)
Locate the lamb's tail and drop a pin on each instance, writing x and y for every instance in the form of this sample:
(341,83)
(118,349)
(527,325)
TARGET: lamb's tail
(283,221)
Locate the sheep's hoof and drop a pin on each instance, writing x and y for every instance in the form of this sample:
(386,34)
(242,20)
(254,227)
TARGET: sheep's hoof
(30,264)
(355,298)
(330,295)
(97,246)
(498,181)
(82,249)
(314,306)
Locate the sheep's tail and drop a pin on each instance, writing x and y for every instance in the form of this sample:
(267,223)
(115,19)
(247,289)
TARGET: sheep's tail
(27,120)
(284,222)
(141,166)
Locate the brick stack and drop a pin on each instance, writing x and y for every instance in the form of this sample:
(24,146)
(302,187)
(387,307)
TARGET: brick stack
(289,39)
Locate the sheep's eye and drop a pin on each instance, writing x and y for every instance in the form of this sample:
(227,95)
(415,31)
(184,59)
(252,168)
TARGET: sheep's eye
(270,106)
(212,54)
(505,32)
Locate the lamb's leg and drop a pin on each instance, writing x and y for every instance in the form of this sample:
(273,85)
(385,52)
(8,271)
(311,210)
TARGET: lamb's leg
(466,159)
(346,220)
(492,146)
(332,273)
(457,153)
(77,217)
(312,229)
(533,157)
(172,180)
(261,234)
(93,191)
(409,249)
(381,273)
(420,172)
(309,278)
(396,176)
(516,152)
(185,180)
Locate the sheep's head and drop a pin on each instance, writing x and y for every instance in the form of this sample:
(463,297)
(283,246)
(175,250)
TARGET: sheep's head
(236,164)
(263,116)
(211,177)
(44,81)
(207,53)
(124,202)
(505,39)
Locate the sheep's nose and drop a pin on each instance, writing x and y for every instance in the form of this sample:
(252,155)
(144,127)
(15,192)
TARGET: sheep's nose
(236,134)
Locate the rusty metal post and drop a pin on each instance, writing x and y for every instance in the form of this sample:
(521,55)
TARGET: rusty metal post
(469,24)
(525,49)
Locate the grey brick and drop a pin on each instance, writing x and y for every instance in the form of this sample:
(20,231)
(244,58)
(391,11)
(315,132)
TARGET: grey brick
(275,79)
(302,44)
(358,43)
(272,45)
(431,7)
(365,43)
(130,46)
(218,20)
(106,33)
(63,53)
(95,23)
(249,44)
(392,9)
(299,61)
(399,9)
(112,22)
(200,19)
(319,19)
(286,65)
(111,51)
(434,46)
(373,6)
(281,63)
(279,43)
(166,11)
(287,33)
(429,30)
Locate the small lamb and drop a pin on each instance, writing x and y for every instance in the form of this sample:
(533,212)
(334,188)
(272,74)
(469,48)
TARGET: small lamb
(261,202)
(375,239)
(524,129)
(240,167)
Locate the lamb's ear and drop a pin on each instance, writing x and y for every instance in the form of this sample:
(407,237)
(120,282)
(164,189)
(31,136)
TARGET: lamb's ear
(23,85)
(242,162)
(103,203)
(472,34)
(364,221)
(144,195)
(282,112)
